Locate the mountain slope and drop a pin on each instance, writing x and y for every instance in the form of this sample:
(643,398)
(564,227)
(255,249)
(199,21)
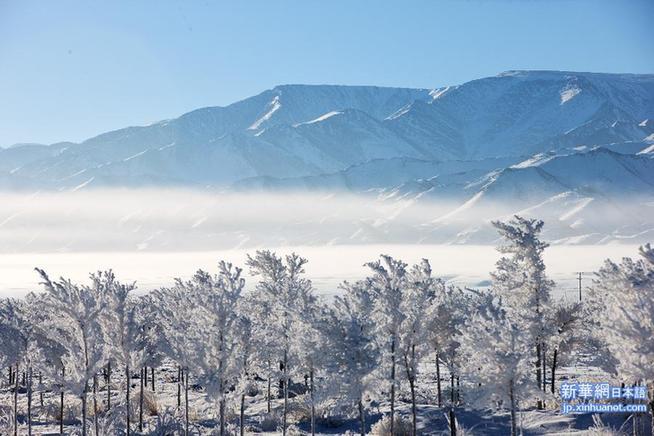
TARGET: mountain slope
(523,112)
(310,130)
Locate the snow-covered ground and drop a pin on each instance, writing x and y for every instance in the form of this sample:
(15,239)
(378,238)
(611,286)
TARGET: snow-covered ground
(160,407)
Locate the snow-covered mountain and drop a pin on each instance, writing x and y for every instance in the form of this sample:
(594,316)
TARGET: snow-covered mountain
(568,146)
(301,130)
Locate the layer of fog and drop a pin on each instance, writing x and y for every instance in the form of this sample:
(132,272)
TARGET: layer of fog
(151,236)
(186,220)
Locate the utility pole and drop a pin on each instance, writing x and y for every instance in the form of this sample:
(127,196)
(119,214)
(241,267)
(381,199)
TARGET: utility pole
(579,279)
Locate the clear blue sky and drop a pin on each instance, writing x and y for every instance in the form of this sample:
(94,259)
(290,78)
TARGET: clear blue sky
(70,70)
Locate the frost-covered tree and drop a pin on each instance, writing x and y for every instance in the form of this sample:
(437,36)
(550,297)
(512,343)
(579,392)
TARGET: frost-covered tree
(403,301)
(215,328)
(142,341)
(568,337)
(521,280)
(10,342)
(387,283)
(200,321)
(353,348)
(265,346)
(7,345)
(30,345)
(15,340)
(624,296)
(176,319)
(14,316)
(121,325)
(447,316)
(308,346)
(245,354)
(285,293)
(75,316)
(413,335)
(497,354)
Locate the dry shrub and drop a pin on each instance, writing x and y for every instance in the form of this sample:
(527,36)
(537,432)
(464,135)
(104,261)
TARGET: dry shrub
(150,405)
(298,412)
(601,429)
(382,427)
(169,422)
(6,418)
(72,411)
(292,430)
(270,422)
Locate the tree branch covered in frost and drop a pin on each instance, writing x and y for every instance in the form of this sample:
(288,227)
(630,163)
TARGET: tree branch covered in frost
(497,358)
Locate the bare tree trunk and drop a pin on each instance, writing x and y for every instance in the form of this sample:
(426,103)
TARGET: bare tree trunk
(84,409)
(538,371)
(242,417)
(222,415)
(61,403)
(414,426)
(280,389)
(222,402)
(362,417)
(313,406)
(16,401)
(553,381)
(438,380)
(269,382)
(29,400)
(411,377)
(285,393)
(514,427)
(452,421)
(179,386)
(127,396)
(95,404)
(452,388)
(186,402)
(152,378)
(41,388)
(393,386)
(109,385)
(144,373)
(458,391)
(544,362)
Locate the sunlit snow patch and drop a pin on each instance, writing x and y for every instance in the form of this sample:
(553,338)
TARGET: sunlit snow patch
(438,93)
(82,185)
(536,160)
(320,118)
(576,209)
(172,144)
(274,107)
(401,111)
(134,156)
(650,149)
(459,210)
(569,93)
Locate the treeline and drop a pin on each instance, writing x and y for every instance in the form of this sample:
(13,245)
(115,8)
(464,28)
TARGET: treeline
(501,346)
